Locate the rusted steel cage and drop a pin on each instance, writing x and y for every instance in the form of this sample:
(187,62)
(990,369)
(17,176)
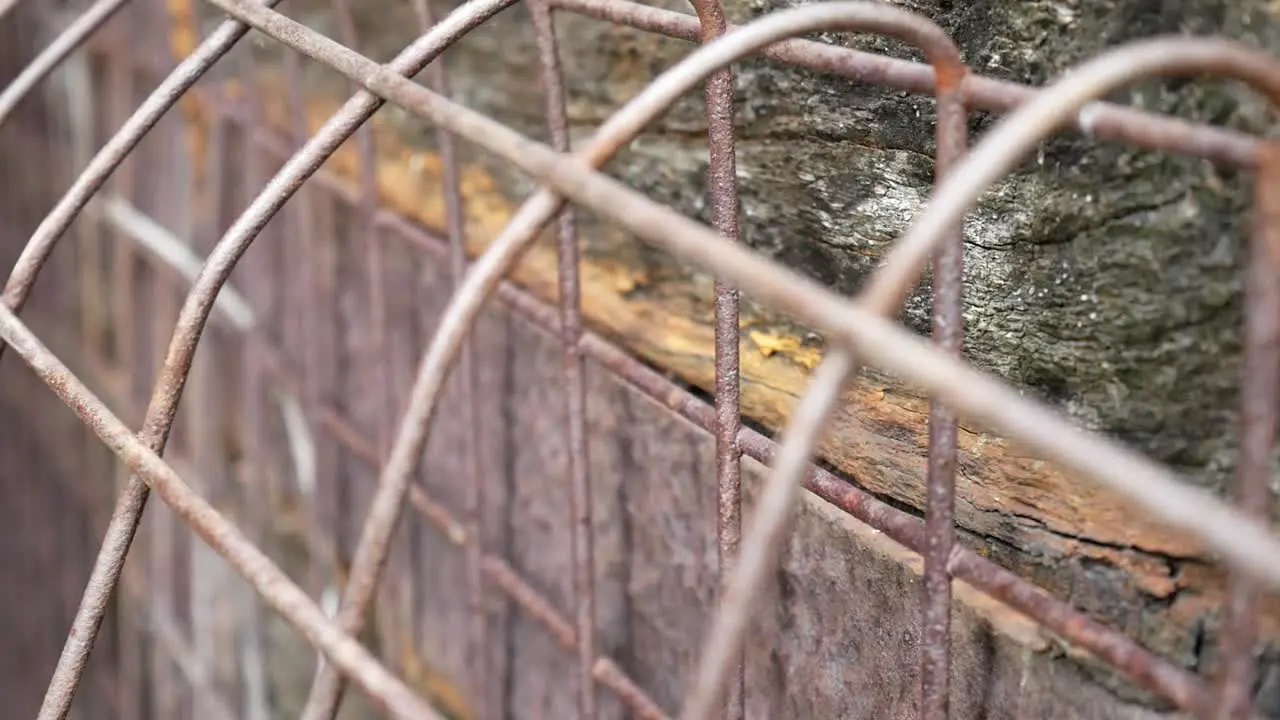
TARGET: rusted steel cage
(556,491)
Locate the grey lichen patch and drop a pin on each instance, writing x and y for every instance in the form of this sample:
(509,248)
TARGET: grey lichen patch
(1126,312)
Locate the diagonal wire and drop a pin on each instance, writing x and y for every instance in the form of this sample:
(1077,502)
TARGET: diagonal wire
(928,370)
(165,96)
(125,516)
(505,251)
(1103,120)
(48,60)
(6,6)
(220,534)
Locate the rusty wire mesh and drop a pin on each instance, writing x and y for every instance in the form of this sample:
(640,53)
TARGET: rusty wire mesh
(859,331)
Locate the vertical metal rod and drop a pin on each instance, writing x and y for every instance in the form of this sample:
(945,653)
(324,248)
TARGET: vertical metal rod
(722,187)
(205,408)
(122,82)
(394,482)
(580,510)
(948,334)
(83,100)
(256,705)
(1169,689)
(328,686)
(940,499)
(184,205)
(256,500)
(307,299)
(366,209)
(1260,393)
(477,492)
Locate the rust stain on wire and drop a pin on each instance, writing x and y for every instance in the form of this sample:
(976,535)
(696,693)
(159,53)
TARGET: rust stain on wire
(1239,534)
(722,188)
(883,297)
(948,334)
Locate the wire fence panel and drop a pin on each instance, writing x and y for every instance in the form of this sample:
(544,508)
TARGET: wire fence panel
(463,508)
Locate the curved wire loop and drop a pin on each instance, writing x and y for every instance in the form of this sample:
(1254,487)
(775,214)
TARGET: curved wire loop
(120,530)
(1103,120)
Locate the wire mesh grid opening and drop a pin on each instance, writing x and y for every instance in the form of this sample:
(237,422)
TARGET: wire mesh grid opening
(341,341)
